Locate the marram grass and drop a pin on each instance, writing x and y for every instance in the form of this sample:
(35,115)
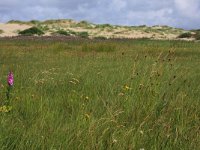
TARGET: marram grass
(141,95)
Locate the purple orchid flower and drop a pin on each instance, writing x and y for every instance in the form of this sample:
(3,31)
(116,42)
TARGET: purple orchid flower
(10,79)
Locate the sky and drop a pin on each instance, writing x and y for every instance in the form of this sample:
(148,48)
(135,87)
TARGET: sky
(177,13)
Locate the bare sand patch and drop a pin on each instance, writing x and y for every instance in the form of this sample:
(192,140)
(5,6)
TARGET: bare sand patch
(12,29)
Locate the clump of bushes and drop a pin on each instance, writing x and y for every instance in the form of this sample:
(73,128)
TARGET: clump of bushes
(198,37)
(185,35)
(43,27)
(104,26)
(17,22)
(62,32)
(31,31)
(71,33)
(83,24)
(100,38)
(83,34)
(1,31)
(34,21)
(195,35)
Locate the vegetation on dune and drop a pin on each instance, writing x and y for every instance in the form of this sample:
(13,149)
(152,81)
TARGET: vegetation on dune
(100,38)
(61,32)
(104,26)
(185,35)
(57,21)
(43,27)
(83,34)
(17,22)
(1,31)
(31,31)
(71,33)
(73,94)
(56,27)
(83,24)
(195,35)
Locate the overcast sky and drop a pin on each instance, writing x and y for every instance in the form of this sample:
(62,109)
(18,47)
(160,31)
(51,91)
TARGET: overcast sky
(177,13)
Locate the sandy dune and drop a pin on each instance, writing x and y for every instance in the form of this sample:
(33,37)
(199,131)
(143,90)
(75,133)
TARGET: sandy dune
(12,29)
(109,31)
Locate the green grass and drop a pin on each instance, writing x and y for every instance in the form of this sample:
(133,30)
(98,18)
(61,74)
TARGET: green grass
(143,95)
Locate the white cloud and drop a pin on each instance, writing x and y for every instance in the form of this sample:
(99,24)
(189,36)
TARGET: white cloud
(153,17)
(179,13)
(188,8)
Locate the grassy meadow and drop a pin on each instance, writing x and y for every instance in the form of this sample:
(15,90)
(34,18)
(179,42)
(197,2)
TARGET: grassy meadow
(100,94)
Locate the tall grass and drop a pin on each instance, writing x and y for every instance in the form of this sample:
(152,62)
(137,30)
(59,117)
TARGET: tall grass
(143,95)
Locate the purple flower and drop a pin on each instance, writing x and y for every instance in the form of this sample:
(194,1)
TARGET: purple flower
(10,79)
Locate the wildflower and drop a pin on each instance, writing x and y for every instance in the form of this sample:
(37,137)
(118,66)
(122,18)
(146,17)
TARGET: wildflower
(5,109)
(87,116)
(126,87)
(10,79)
(86,98)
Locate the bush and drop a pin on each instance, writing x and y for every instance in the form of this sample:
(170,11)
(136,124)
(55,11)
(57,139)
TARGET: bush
(185,35)
(72,32)
(32,31)
(83,34)
(104,26)
(34,21)
(17,22)
(197,35)
(100,38)
(83,24)
(1,31)
(62,32)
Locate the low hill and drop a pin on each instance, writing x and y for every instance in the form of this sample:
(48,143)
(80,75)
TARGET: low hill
(68,27)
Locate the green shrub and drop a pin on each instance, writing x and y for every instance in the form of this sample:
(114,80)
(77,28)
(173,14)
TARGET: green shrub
(1,31)
(185,35)
(32,31)
(142,26)
(83,24)
(17,22)
(100,38)
(83,34)
(104,26)
(52,21)
(72,32)
(34,21)
(197,35)
(42,27)
(62,32)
